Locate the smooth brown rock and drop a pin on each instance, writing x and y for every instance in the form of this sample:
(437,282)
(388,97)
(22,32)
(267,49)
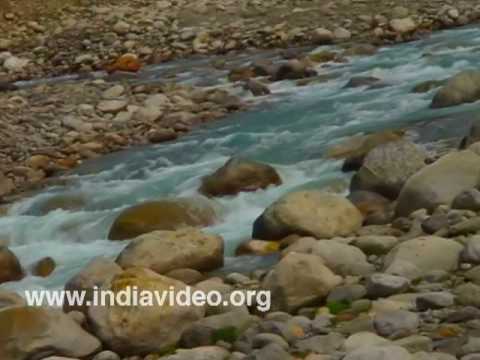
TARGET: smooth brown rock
(10,268)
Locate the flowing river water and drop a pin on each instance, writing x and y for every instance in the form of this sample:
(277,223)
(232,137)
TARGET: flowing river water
(291,131)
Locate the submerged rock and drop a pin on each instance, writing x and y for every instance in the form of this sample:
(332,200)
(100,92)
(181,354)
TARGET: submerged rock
(308,213)
(161,215)
(460,89)
(36,333)
(164,251)
(141,330)
(440,182)
(239,175)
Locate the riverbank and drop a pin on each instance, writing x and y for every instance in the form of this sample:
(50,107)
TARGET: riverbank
(52,38)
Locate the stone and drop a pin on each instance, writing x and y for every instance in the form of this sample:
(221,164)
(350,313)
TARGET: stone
(439,183)
(416,343)
(121,27)
(403,26)
(467,200)
(384,285)
(375,208)
(375,244)
(396,323)
(435,300)
(460,89)
(200,353)
(187,276)
(162,135)
(36,332)
(134,330)
(44,267)
(168,214)
(299,280)
(292,70)
(359,81)
(415,257)
(258,247)
(10,268)
(322,36)
(308,213)
(363,339)
(342,34)
(112,106)
(15,64)
(125,63)
(164,251)
(6,185)
(471,252)
(352,262)
(435,223)
(347,293)
(427,86)
(387,168)
(9,299)
(97,273)
(106,355)
(264,339)
(114,92)
(383,352)
(270,352)
(468,294)
(239,175)
(257,88)
(320,344)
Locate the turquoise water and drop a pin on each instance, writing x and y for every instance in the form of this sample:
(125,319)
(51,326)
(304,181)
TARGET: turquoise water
(291,130)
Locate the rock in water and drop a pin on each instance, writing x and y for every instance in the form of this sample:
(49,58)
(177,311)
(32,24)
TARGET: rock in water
(239,176)
(440,182)
(35,333)
(164,251)
(161,215)
(141,330)
(309,213)
(299,280)
(460,89)
(10,268)
(388,167)
(415,257)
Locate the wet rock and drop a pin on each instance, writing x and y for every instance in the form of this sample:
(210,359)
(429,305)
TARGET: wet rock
(161,215)
(299,280)
(134,330)
(414,257)
(162,135)
(98,273)
(427,86)
(257,88)
(387,168)
(293,69)
(239,175)
(396,323)
(375,208)
(34,333)
(44,267)
(360,50)
(309,213)
(461,88)
(164,251)
(439,183)
(385,285)
(10,268)
(360,81)
(322,56)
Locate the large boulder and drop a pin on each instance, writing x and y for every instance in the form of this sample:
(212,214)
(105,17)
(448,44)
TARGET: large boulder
(140,330)
(97,274)
(418,256)
(299,280)
(308,213)
(403,26)
(388,167)
(460,89)
(354,149)
(440,182)
(35,333)
(161,215)
(164,251)
(352,262)
(237,176)
(10,268)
